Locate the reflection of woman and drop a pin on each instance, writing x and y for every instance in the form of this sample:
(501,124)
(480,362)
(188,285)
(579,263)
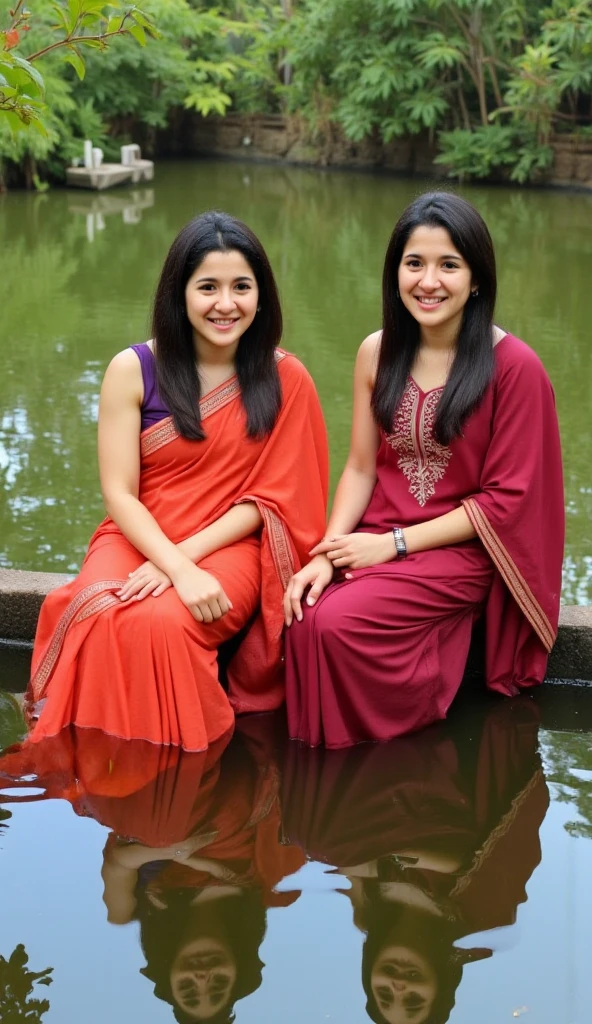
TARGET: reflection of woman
(437,835)
(450,502)
(213,463)
(201,897)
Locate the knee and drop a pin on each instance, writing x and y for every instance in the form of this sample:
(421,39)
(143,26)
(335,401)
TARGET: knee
(323,619)
(165,611)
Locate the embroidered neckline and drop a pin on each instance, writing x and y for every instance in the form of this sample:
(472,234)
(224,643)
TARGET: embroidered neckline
(422,459)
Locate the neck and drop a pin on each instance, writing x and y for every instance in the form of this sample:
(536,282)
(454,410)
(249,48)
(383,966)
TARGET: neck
(208,357)
(441,339)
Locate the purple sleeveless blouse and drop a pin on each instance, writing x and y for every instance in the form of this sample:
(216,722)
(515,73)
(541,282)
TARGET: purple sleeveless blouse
(153,408)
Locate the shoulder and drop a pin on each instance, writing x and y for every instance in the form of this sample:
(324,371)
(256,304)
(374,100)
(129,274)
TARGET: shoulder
(367,358)
(125,371)
(293,373)
(515,359)
(512,354)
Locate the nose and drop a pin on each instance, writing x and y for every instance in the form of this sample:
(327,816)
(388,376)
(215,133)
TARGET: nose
(400,986)
(225,300)
(431,278)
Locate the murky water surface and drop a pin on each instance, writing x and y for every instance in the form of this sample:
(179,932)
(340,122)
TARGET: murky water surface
(78,273)
(442,876)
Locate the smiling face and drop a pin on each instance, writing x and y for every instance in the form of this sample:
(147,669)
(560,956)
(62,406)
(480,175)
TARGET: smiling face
(435,281)
(403,985)
(202,978)
(221,299)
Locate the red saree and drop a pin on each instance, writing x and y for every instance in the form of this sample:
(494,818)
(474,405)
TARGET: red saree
(148,670)
(384,653)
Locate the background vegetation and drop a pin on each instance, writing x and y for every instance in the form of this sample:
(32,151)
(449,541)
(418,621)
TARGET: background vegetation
(492,80)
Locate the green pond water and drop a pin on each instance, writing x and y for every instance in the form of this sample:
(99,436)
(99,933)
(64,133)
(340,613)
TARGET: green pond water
(443,876)
(79,270)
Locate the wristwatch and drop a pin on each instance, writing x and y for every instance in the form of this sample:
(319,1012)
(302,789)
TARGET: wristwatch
(400,544)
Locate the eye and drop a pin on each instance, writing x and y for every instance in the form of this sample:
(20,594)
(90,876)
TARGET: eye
(412,263)
(450,266)
(243,286)
(206,287)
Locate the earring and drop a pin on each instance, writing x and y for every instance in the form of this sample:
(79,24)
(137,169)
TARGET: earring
(258,309)
(475,293)
(397,294)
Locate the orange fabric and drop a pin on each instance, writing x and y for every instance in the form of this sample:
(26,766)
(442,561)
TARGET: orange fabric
(148,669)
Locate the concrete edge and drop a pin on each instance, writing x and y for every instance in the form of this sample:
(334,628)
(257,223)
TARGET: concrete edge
(21,595)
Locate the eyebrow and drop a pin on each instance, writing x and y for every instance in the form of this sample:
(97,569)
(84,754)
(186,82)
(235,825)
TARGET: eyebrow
(418,256)
(243,277)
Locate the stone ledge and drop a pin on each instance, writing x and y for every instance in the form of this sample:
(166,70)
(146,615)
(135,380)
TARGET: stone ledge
(21,594)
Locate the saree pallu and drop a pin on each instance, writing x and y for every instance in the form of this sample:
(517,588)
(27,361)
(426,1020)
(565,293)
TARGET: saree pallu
(384,653)
(147,669)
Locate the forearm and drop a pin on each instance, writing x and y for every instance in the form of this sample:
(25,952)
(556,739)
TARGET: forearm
(240,521)
(141,529)
(452,528)
(119,892)
(352,498)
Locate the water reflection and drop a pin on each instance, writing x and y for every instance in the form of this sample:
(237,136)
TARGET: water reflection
(17,988)
(95,208)
(193,853)
(432,839)
(437,835)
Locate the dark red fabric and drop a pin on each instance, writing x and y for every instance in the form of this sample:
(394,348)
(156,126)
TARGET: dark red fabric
(384,654)
(471,789)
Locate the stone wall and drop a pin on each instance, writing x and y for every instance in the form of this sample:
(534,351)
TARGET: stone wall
(275,137)
(21,594)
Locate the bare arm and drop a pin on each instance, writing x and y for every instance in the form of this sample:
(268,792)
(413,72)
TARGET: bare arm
(357,481)
(119,463)
(240,521)
(119,466)
(354,489)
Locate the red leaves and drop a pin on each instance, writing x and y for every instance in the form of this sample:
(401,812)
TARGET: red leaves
(11,38)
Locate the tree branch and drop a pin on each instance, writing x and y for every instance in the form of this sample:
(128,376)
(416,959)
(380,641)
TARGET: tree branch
(71,40)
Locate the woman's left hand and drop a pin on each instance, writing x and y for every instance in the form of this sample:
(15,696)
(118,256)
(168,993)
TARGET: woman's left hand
(358,550)
(145,580)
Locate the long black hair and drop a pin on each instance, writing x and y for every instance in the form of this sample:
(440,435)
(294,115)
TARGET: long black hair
(176,370)
(242,921)
(473,364)
(430,937)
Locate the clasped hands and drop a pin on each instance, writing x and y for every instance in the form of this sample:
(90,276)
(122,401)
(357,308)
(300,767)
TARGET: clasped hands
(350,550)
(197,589)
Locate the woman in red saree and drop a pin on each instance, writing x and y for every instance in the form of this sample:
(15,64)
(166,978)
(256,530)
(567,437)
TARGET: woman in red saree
(450,505)
(213,462)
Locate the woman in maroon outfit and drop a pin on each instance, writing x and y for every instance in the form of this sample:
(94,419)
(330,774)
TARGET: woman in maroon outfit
(450,505)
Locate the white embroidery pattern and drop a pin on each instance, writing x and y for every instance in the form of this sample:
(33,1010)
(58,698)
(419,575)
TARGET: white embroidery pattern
(422,459)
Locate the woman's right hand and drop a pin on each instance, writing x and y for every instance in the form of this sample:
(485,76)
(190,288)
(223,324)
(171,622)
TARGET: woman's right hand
(201,593)
(317,575)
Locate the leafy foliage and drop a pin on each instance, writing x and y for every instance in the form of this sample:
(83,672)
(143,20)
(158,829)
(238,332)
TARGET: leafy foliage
(16,986)
(81,25)
(492,79)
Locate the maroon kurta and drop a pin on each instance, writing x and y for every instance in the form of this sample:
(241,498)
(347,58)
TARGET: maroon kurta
(384,653)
